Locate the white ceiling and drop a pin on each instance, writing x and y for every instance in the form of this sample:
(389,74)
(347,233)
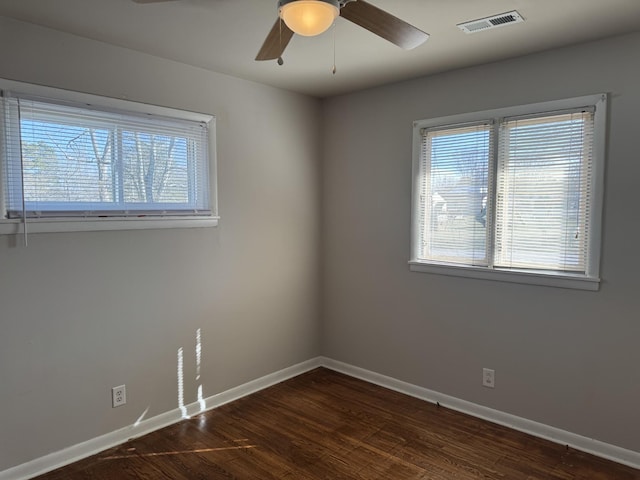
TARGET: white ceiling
(225,35)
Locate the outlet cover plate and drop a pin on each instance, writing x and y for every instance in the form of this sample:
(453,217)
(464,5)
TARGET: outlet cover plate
(488,378)
(118,396)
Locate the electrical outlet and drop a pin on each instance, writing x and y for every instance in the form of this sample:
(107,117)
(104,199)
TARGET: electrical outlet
(118,396)
(488,377)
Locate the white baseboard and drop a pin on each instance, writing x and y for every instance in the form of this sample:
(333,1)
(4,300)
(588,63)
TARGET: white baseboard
(91,447)
(96,445)
(584,444)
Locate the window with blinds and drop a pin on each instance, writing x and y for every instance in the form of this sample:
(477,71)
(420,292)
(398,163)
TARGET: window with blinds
(513,194)
(64,159)
(454,193)
(543,192)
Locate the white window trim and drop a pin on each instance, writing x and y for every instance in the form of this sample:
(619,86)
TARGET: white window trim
(92,224)
(81,224)
(589,281)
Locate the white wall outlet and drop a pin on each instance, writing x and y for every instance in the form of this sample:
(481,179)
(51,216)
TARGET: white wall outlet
(488,377)
(118,396)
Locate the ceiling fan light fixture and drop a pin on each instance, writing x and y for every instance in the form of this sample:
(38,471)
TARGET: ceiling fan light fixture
(309,17)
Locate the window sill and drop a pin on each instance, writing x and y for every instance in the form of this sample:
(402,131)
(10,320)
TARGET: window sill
(577,282)
(57,225)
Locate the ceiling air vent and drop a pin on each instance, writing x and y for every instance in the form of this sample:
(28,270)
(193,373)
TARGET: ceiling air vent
(491,22)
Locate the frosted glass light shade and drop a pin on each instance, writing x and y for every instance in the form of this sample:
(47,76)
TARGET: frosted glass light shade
(309,17)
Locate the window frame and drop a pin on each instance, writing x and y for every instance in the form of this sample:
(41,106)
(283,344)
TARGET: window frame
(588,281)
(73,223)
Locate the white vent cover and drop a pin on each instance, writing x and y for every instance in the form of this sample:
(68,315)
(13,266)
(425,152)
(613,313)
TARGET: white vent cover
(491,22)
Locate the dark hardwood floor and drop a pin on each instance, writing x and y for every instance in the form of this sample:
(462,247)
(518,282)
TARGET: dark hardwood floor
(324,425)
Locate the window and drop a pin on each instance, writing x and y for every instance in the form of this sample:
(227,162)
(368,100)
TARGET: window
(512,194)
(96,160)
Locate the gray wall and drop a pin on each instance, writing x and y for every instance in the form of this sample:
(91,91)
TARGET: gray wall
(565,358)
(82,312)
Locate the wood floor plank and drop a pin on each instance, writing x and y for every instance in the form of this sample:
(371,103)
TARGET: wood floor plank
(323,425)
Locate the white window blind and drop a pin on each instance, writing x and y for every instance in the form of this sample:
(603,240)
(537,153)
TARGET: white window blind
(455,166)
(513,194)
(63,159)
(543,192)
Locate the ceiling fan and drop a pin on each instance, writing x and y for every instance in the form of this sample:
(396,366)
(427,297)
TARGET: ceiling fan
(313,17)
(293,17)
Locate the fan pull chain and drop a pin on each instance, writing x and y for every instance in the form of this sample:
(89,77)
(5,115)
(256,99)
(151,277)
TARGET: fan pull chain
(280,61)
(334,69)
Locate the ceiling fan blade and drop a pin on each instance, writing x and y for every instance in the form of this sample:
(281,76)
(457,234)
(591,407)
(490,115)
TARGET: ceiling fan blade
(383,24)
(276,41)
